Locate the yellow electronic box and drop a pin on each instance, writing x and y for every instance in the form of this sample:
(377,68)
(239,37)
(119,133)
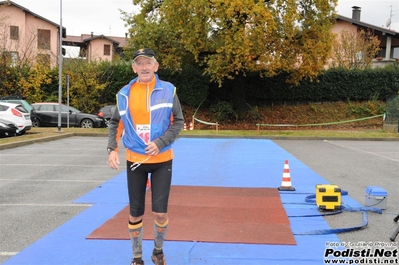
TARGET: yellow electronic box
(328,197)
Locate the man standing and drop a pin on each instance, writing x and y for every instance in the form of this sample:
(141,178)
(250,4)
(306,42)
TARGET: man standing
(148,118)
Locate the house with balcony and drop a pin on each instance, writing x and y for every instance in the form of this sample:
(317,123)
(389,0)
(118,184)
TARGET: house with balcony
(389,39)
(28,37)
(97,47)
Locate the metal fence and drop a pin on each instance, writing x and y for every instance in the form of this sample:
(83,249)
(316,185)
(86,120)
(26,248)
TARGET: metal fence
(392,111)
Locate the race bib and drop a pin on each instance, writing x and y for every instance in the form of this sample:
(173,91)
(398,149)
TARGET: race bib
(143,130)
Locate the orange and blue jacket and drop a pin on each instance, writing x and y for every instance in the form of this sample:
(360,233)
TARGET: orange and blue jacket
(146,113)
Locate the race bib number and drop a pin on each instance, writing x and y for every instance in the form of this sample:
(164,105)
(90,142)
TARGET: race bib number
(143,130)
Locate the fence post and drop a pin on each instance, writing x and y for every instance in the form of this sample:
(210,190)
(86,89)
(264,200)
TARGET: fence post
(398,119)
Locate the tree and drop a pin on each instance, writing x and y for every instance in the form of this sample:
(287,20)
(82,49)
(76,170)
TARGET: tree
(85,85)
(232,38)
(115,75)
(31,85)
(355,49)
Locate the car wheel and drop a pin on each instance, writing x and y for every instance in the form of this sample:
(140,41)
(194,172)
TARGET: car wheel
(36,123)
(87,123)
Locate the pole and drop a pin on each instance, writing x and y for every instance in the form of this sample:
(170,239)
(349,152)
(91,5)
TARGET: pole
(67,85)
(60,71)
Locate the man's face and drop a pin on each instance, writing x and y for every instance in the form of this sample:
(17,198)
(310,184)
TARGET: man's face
(145,68)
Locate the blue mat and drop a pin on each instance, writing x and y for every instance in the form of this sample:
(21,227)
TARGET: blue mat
(198,162)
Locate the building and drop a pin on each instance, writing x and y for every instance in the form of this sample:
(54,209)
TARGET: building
(28,37)
(97,47)
(389,46)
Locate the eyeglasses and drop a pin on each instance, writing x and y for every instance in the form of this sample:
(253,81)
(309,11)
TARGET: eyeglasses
(137,164)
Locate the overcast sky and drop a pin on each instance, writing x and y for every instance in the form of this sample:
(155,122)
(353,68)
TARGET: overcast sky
(103,16)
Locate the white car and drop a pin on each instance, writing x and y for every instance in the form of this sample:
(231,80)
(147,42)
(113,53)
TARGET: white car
(17,114)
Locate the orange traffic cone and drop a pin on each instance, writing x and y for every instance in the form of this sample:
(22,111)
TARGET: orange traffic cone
(191,126)
(148,183)
(286,182)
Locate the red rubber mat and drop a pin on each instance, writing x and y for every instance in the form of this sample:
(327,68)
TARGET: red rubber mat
(213,214)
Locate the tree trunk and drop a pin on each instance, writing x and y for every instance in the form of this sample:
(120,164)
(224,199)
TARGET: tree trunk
(238,88)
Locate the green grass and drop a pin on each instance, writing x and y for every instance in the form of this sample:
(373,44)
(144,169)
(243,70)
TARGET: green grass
(368,134)
(43,134)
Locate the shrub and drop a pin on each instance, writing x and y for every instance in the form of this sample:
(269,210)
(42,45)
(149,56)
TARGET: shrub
(223,111)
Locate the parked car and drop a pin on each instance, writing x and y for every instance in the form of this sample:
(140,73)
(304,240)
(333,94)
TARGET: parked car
(23,102)
(47,115)
(16,114)
(106,112)
(8,128)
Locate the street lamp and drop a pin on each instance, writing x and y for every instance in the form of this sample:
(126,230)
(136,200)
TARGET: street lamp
(60,71)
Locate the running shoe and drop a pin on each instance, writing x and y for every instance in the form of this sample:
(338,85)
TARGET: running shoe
(158,259)
(137,262)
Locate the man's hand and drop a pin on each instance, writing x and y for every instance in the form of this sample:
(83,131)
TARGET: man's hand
(151,149)
(113,160)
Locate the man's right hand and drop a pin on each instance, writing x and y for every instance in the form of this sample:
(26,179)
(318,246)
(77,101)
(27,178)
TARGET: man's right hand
(113,160)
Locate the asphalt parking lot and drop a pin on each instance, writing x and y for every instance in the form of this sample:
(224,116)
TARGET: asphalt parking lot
(40,181)
(353,166)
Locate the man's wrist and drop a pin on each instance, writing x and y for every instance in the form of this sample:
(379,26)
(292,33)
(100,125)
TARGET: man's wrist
(109,150)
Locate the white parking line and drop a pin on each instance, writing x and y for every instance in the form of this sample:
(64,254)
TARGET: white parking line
(57,165)
(8,253)
(48,204)
(56,180)
(362,151)
(52,155)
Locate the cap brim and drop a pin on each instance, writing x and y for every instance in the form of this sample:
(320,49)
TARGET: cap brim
(146,56)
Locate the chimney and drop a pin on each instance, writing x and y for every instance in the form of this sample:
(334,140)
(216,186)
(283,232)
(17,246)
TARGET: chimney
(92,34)
(356,13)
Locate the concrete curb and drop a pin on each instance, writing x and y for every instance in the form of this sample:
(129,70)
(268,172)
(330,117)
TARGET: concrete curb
(61,135)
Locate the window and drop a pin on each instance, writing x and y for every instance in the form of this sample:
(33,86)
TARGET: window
(21,109)
(14,32)
(63,108)
(107,49)
(44,107)
(396,52)
(11,58)
(381,53)
(43,39)
(14,58)
(82,52)
(43,59)
(359,56)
